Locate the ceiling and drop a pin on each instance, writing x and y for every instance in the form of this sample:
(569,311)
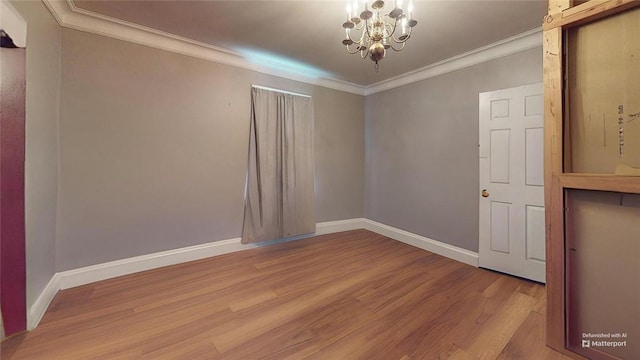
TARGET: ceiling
(307,34)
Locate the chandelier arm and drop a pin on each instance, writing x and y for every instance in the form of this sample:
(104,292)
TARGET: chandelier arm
(409,32)
(401,47)
(357,27)
(388,30)
(364,53)
(349,37)
(366,26)
(364,50)
(352,52)
(398,41)
(395,24)
(354,41)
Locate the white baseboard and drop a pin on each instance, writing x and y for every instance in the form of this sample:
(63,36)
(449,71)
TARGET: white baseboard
(436,247)
(39,307)
(331,227)
(108,270)
(89,274)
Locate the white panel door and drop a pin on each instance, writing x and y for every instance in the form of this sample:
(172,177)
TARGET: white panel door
(511,192)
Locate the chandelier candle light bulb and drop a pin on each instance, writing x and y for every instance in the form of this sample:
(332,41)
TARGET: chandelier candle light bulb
(377,28)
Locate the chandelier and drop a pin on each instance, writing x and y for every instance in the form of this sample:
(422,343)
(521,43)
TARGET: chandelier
(375,31)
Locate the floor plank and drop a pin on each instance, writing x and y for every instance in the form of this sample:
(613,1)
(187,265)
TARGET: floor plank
(351,295)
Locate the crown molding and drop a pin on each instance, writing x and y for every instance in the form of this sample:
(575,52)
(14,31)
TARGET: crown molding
(515,44)
(70,16)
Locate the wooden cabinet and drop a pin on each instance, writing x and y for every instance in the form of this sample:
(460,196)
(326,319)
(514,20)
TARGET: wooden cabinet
(592,176)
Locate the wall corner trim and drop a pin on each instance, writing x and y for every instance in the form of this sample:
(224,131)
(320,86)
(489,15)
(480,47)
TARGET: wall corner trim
(89,274)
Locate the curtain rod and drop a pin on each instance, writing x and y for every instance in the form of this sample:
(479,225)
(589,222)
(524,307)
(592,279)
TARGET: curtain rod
(278,90)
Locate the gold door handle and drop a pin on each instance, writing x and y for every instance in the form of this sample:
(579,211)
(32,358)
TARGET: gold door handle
(485,193)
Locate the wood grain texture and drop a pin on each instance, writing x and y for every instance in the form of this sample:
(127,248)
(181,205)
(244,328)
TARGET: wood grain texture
(601,182)
(586,12)
(554,214)
(558,157)
(351,295)
(557,6)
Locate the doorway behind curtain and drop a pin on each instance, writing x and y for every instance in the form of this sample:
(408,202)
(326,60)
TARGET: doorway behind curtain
(279,198)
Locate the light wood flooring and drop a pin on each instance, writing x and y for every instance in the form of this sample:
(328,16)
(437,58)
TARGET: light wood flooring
(350,295)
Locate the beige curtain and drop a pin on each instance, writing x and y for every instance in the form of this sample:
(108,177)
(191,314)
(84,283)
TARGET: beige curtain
(279,199)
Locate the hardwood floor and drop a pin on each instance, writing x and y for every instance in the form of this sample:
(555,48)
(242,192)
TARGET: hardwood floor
(351,295)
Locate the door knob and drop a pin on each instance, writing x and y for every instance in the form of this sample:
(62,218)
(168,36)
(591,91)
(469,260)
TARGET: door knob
(485,193)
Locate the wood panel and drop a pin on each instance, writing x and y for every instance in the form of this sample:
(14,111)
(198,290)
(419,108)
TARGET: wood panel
(587,11)
(602,228)
(351,295)
(628,184)
(558,158)
(602,75)
(557,6)
(552,72)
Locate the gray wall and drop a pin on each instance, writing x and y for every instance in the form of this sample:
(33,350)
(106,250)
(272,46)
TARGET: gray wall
(153,150)
(421,140)
(41,163)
